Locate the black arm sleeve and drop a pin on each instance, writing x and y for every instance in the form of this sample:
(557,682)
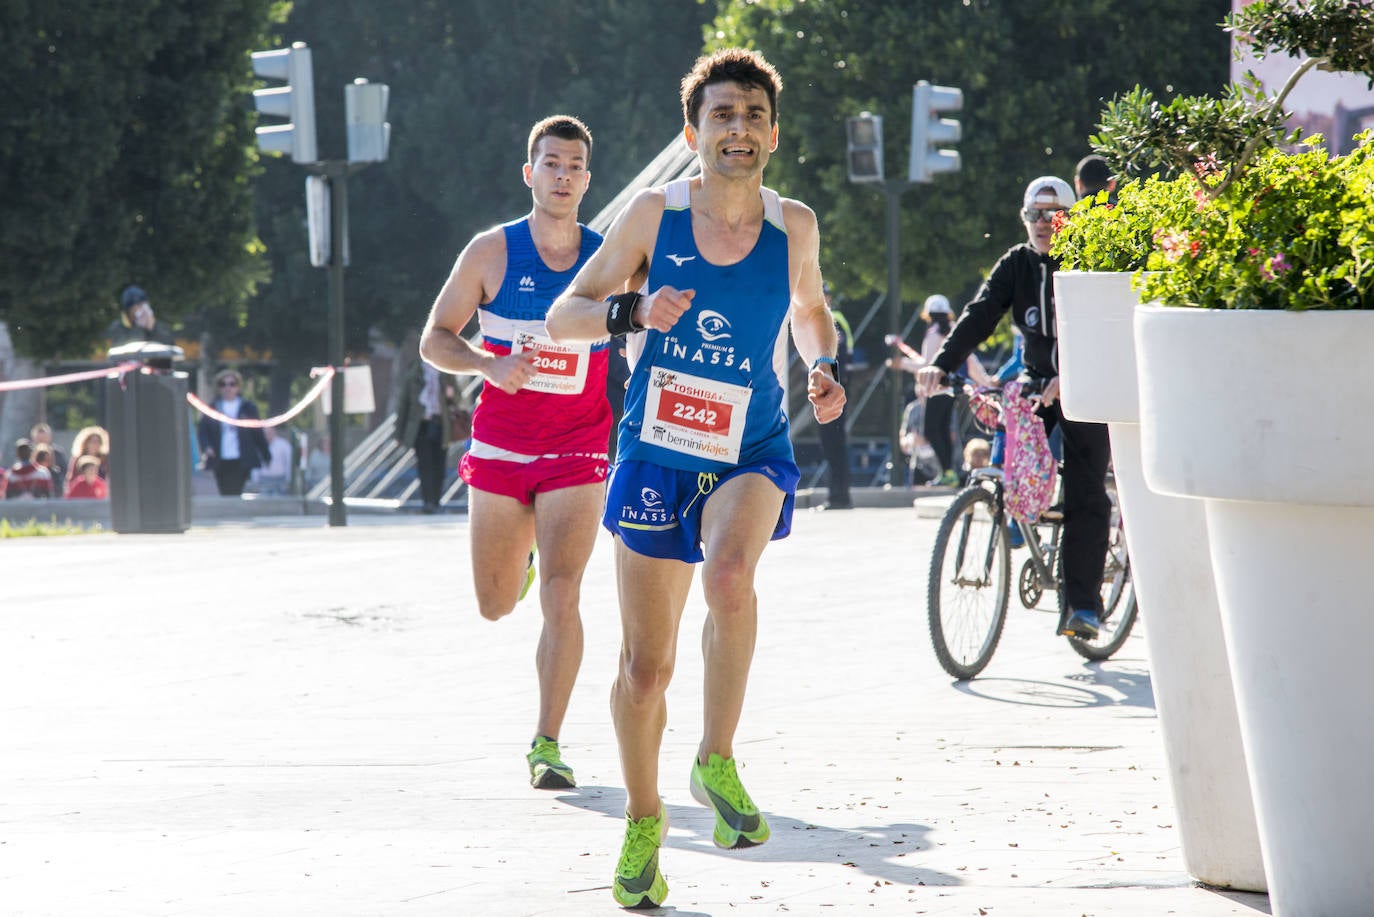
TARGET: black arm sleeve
(980,316)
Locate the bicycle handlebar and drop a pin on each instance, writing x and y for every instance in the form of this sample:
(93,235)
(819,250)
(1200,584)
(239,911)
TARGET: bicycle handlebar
(1029,386)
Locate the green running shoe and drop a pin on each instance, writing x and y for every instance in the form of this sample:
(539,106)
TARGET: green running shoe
(738,821)
(529,577)
(638,880)
(547,770)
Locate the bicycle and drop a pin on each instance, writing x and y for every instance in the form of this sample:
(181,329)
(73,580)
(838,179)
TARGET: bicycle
(970,574)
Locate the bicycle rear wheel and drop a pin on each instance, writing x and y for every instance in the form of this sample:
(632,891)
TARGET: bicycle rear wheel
(1118,602)
(970,583)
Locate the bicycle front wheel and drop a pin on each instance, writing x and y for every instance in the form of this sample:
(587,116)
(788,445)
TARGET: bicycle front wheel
(970,583)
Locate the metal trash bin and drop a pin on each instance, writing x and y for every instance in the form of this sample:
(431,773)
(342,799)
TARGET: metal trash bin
(150,442)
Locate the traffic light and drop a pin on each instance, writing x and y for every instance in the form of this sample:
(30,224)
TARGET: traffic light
(929,130)
(865,139)
(295,101)
(369,133)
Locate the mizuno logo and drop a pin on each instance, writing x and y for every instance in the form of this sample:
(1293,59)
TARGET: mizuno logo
(680,260)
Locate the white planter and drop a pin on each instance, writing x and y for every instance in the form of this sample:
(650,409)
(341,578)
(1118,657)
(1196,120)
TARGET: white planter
(1172,571)
(1247,411)
(1093,315)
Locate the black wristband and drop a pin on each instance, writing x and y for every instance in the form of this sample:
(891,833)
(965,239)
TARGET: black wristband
(620,314)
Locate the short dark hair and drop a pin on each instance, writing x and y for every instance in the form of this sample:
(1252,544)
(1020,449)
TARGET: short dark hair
(564,127)
(1094,173)
(729,65)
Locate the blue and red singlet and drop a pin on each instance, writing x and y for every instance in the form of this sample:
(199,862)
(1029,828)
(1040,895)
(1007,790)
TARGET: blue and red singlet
(563,410)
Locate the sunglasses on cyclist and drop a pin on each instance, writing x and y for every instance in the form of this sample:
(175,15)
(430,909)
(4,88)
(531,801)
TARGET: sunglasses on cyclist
(1035,214)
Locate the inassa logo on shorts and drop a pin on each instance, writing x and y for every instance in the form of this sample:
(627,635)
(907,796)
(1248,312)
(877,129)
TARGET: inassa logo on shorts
(650,511)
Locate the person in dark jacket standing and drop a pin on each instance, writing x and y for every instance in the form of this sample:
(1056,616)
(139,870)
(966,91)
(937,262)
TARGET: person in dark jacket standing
(231,452)
(136,321)
(422,422)
(1022,282)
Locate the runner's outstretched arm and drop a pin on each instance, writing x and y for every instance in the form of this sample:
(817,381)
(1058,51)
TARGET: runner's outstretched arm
(813,326)
(579,314)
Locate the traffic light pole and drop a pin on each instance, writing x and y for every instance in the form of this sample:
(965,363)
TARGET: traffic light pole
(369,138)
(864,154)
(892,190)
(336,172)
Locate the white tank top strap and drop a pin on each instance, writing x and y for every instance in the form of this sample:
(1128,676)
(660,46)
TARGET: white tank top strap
(677,194)
(772,208)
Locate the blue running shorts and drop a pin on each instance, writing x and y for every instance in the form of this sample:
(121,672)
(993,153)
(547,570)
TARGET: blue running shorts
(656,511)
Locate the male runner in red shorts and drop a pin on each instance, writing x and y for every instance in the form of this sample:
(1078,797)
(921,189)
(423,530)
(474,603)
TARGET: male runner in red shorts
(537,464)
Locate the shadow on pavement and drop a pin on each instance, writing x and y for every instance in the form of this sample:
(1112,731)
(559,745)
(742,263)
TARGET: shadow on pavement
(1130,680)
(872,849)
(1035,693)
(1255,902)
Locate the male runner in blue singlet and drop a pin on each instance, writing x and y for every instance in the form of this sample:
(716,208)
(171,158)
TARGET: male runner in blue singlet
(704,472)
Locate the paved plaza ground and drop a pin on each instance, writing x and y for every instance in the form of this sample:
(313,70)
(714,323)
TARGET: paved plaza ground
(273,717)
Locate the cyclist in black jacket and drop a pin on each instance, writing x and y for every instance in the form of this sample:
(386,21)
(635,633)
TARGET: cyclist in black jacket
(1022,282)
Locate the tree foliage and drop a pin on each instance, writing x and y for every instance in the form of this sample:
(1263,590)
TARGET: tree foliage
(1034,77)
(128,156)
(468,78)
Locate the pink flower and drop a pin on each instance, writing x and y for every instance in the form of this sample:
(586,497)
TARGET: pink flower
(1172,244)
(1207,165)
(1275,267)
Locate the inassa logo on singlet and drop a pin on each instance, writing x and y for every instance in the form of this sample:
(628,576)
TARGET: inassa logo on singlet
(713,328)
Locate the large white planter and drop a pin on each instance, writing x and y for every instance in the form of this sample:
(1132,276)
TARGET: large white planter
(1253,413)
(1172,571)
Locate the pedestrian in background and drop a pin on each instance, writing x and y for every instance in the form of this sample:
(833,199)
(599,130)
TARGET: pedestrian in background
(1093,175)
(87,485)
(423,423)
(229,451)
(137,321)
(41,435)
(26,477)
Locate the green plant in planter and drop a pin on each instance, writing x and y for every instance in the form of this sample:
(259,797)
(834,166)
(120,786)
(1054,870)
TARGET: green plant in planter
(1243,225)
(1119,236)
(1295,231)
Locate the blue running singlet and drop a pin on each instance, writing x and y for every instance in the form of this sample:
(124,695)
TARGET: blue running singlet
(705,396)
